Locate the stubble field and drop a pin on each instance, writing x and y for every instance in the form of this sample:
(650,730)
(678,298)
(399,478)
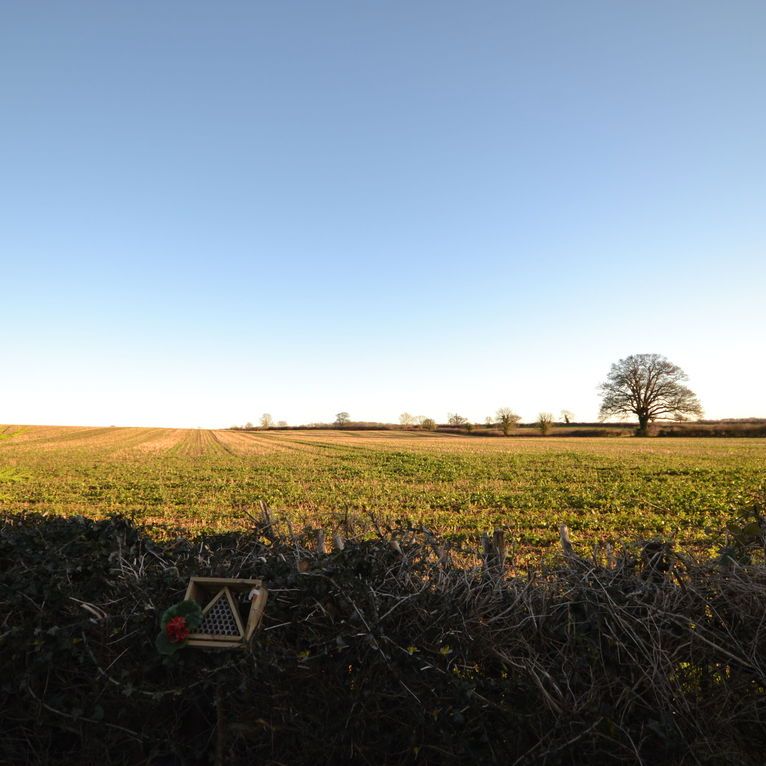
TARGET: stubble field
(190,481)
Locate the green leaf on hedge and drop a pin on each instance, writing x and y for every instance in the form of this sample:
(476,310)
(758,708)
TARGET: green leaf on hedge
(164,646)
(190,610)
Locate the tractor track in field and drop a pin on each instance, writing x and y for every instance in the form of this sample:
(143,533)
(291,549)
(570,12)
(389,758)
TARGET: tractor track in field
(277,443)
(221,444)
(246,444)
(322,448)
(64,436)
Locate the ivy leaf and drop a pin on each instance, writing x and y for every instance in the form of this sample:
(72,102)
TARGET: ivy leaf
(164,645)
(189,610)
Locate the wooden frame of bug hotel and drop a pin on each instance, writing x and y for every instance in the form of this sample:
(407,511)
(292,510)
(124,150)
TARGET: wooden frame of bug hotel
(231,611)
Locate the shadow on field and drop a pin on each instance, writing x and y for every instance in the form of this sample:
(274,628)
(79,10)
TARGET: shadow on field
(394,651)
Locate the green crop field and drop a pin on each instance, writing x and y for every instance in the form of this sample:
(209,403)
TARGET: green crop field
(188,481)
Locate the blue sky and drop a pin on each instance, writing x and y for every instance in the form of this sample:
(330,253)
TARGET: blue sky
(213,210)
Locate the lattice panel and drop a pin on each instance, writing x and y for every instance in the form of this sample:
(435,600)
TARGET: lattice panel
(219,620)
(231,616)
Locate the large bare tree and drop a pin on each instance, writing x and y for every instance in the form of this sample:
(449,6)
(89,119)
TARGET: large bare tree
(649,387)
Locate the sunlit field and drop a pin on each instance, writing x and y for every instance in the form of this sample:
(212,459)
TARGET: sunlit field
(189,481)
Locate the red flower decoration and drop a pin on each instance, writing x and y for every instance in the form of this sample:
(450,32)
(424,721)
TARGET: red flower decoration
(177,630)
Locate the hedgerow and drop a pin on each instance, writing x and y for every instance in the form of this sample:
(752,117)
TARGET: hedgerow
(396,650)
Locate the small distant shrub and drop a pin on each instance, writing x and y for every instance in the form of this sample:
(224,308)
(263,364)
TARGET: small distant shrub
(508,419)
(545,423)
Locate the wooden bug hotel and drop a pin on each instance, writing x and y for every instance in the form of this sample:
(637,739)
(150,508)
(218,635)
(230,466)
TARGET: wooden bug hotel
(231,611)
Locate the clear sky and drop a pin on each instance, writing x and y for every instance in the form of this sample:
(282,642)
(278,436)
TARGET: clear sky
(213,210)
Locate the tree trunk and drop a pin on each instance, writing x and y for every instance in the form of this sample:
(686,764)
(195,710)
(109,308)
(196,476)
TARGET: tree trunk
(643,425)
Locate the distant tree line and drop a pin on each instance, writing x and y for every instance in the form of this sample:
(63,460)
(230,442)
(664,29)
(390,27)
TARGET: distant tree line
(646,386)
